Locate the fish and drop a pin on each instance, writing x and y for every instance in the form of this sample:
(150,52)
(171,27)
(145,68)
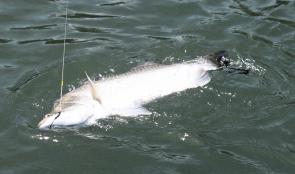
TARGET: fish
(127,94)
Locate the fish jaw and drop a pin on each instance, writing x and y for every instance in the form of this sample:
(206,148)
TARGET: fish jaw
(75,115)
(47,121)
(62,119)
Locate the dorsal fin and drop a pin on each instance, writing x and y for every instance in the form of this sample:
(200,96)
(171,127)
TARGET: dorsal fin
(94,91)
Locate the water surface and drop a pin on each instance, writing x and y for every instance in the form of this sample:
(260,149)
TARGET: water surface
(235,124)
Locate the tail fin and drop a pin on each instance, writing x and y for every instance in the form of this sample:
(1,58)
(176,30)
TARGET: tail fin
(220,58)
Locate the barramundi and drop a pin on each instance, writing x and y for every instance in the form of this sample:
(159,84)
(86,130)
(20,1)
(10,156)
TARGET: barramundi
(127,94)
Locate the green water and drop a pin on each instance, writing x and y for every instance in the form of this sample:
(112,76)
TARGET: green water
(236,124)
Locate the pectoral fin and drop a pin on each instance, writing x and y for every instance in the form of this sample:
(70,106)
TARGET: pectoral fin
(133,111)
(94,91)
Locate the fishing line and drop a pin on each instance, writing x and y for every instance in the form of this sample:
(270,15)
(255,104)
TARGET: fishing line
(63,57)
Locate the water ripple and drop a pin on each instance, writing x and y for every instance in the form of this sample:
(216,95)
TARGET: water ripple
(240,123)
(255,37)
(61,41)
(246,9)
(90,15)
(277,4)
(39,27)
(113,3)
(245,160)
(89,30)
(5,40)
(287,22)
(24,79)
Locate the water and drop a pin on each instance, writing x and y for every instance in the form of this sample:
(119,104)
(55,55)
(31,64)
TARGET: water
(236,124)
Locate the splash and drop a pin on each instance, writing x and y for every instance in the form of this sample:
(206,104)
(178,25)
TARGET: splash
(249,63)
(45,138)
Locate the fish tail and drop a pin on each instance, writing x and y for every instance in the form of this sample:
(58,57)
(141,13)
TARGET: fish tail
(220,58)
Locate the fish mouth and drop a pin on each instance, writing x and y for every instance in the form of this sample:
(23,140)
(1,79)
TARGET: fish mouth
(45,123)
(48,121)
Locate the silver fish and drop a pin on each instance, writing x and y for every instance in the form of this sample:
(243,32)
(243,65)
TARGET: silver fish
(126,94)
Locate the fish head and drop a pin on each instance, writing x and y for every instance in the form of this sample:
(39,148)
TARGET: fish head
(64,118)
(48,120)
